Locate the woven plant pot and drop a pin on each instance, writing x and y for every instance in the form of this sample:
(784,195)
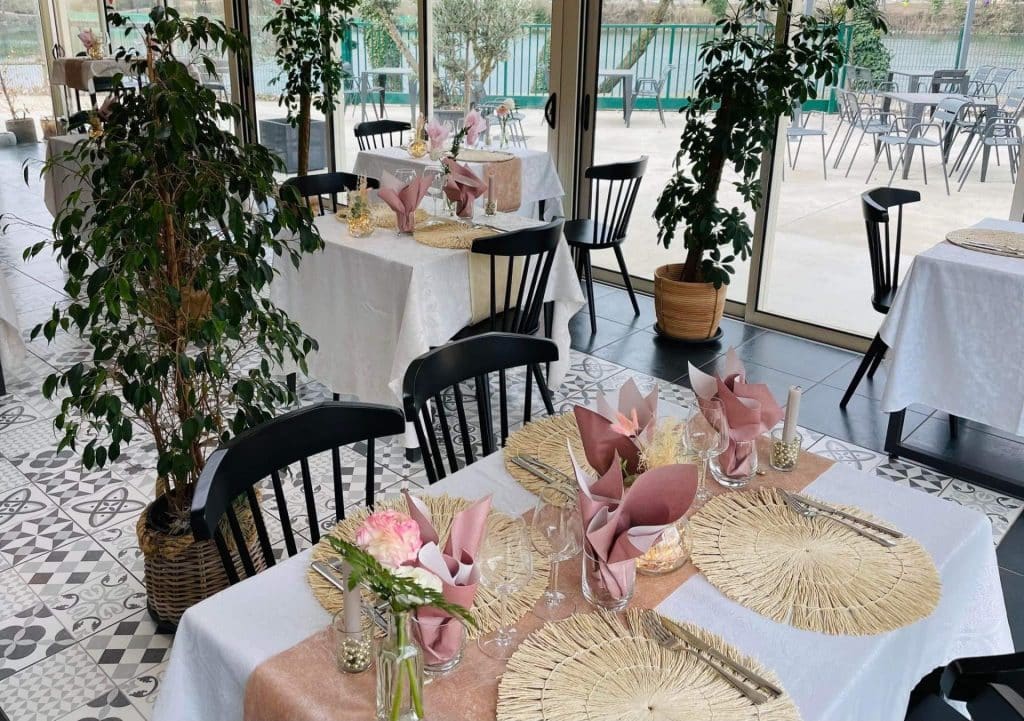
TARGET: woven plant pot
(688,311)
(180,571)
(24,129)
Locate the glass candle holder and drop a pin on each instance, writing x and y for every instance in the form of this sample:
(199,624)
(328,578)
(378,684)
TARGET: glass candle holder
(353,650)
(608,586)
(418,148)
(668,554)
(784,454)
(743,465)
(360,218)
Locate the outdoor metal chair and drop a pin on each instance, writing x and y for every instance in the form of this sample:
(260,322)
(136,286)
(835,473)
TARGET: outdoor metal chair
(906,133)
(652,87)
(870,121)
(980,77)
(949,81)
(852,112)
(996,128)
(947,113)
(798,130)
(994,86)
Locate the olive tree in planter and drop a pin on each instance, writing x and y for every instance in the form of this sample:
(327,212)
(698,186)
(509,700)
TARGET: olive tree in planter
(751,77)
(307,32)
(168,250)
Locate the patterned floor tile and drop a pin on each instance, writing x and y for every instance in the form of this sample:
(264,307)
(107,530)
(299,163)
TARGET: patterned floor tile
(848,453)
(15,594)
(74,564)
(10,477)
(31,524)
(129,647)
(32,449)
(908,474)
(53,687)
(69,484)
(142,690)
(91,606)
(122,543)
(137,462)
(108,506)
(15,412)
(1002,510)
(29,635)
(110,706)
(585,370)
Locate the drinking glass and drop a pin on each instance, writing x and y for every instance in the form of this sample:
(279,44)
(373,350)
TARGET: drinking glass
(436,192)
(557,533)
(745,462)
(506,564)
(707,435)
(405,175)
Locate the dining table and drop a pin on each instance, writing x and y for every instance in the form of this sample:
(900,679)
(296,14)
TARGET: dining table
(12,345)
(234,654)
(540,187)
(954,308)
(627,78)
(62,178)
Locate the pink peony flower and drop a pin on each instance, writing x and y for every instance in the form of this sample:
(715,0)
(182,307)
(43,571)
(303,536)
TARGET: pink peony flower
(437,133)
(474,124)
(393,538)
(502,111)
(87,38)
(624,426)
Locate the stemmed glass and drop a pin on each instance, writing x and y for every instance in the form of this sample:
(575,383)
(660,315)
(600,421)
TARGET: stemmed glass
(707,435)
(506,564)
(557,533)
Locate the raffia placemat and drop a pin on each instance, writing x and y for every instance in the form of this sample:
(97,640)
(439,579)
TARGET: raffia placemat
(988,240)
(487,606)
(451,234)
(545,439)
(384,217)
(603,667)
(477,155)
(811,573)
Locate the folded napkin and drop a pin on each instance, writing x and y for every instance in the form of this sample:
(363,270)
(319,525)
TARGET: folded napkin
(403,199)
(619,525)
(437,134)
(475,124)
(750,409)
(621,430)
(462,187)
(438,632)
(88,38)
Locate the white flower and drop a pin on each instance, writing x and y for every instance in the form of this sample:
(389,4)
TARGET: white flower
(421,577)
(510,104)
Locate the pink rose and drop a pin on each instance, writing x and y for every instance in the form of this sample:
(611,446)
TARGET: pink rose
(391,537)
(475,125)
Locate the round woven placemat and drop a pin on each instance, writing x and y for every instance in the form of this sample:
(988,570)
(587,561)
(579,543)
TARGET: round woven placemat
(545,439)
(601,667)
(987,240)
(384,217)
(811,573)
(487,605)
(451,234)
(476,155)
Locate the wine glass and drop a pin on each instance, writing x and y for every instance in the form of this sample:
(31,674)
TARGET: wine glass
(405,175)
(557,533)
(506,564)
(707,435)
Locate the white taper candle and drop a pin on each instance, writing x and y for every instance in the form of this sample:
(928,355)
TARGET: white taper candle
(792,412)
(353,605)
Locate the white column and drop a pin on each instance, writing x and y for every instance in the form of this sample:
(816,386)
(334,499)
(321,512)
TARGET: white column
(965,39)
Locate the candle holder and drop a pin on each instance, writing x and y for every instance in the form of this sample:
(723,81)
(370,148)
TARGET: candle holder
(785,454)
(353,650)
(490,208)
(668,554)
(418,148)
(359,219)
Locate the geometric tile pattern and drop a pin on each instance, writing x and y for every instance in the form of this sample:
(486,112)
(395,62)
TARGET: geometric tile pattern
(39,533)
(908,474)
(28,636)
(1002,510)
(53,687)
(129,647)
(69,566)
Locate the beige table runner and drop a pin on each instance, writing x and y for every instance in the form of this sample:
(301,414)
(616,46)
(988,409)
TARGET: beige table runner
(303,683)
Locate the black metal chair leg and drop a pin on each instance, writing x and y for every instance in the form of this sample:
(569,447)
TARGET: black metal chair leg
(588,271)
(879,357)
(626,280)
(954,426)
(877,347)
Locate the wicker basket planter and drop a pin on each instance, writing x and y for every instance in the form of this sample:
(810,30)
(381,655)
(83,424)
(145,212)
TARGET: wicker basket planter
(180,571)
(688,311)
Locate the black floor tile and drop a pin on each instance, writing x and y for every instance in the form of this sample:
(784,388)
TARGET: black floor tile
(991,453)
(608,331)
(862,422)
(1013,596)
(942,416)
(615,305)
(793,355)
(868,387)
(647,353)
(778,382)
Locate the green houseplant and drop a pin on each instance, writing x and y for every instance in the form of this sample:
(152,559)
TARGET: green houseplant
(168,250)
(751,77)
(311,76)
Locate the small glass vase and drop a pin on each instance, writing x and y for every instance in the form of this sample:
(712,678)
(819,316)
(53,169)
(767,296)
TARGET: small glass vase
(668,554)
(503,140)
(442,640)
(360,218)
(785,454)
(399,673)
(607,586)
(744,458)
(353,648)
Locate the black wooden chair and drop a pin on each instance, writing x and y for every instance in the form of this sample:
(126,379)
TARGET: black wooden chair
(613,190)
(434,385)
(884,252)
(231,473)
(323,184)
(520,265)
(991,686)
(375,134)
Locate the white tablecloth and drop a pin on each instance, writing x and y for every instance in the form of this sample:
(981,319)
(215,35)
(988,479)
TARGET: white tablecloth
(375,304)
(956,335)
(540,178)
(61,180)
(831,678)
(79,73)
(12,345)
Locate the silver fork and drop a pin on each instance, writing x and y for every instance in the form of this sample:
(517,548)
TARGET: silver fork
(666,639)
(806,511)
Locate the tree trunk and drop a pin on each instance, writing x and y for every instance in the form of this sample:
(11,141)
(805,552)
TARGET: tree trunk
(7,93)
(713,179)
(639,46)
(305,103)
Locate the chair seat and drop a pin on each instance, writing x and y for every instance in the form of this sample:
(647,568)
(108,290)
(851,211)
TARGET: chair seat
(892,139)
(925,142)
(804,132)
(580,233)
(882,303)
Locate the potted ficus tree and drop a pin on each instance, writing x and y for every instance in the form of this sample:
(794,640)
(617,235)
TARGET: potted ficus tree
(168,250)
(311,75)
(751,77)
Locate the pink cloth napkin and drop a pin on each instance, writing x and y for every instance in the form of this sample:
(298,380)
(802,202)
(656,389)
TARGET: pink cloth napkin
(87,38)
(750,409)
(619,525)
(437,134)
(404,199)
(475,124)
(462,187)
(601,441)
(438,633)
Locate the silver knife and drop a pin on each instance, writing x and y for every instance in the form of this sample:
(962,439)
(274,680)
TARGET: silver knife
(528,465)
(549,468)
(850,517)
(334,577)
(742,670)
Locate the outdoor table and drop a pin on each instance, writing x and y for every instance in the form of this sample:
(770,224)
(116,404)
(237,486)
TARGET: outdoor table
(364,88)
(60,181)
(913,79)
(954,309)
(541,189)
(627,79)
(221,641)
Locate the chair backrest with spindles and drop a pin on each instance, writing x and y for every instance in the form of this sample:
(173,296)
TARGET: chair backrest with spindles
(883,246)
(375,134)
(229,479)
(613,190)
(321,185)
